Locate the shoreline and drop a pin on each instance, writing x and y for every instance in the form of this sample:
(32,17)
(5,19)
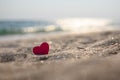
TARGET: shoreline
(29,36)
(44,35)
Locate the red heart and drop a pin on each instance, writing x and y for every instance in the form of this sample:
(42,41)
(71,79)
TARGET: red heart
(43,49)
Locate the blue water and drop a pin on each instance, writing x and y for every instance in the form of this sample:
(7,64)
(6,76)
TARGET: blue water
(71,25)
(23,27)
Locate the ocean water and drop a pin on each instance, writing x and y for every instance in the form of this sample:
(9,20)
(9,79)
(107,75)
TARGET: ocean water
(25,27)
(72,25)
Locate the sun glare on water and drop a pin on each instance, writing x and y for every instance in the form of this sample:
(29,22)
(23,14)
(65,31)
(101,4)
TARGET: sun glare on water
(84,25)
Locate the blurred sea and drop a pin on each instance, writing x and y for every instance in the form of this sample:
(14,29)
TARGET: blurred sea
(74,25)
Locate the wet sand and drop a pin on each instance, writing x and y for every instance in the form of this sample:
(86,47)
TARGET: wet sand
(92,56)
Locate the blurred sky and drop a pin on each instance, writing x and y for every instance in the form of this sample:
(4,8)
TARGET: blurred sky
(53,9)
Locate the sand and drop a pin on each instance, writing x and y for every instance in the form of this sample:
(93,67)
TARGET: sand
(92,56)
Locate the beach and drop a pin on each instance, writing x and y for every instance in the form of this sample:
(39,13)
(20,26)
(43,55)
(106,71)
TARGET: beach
(90,56)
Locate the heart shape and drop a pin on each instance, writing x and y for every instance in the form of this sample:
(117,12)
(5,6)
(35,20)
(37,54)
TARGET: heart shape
(43,49)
